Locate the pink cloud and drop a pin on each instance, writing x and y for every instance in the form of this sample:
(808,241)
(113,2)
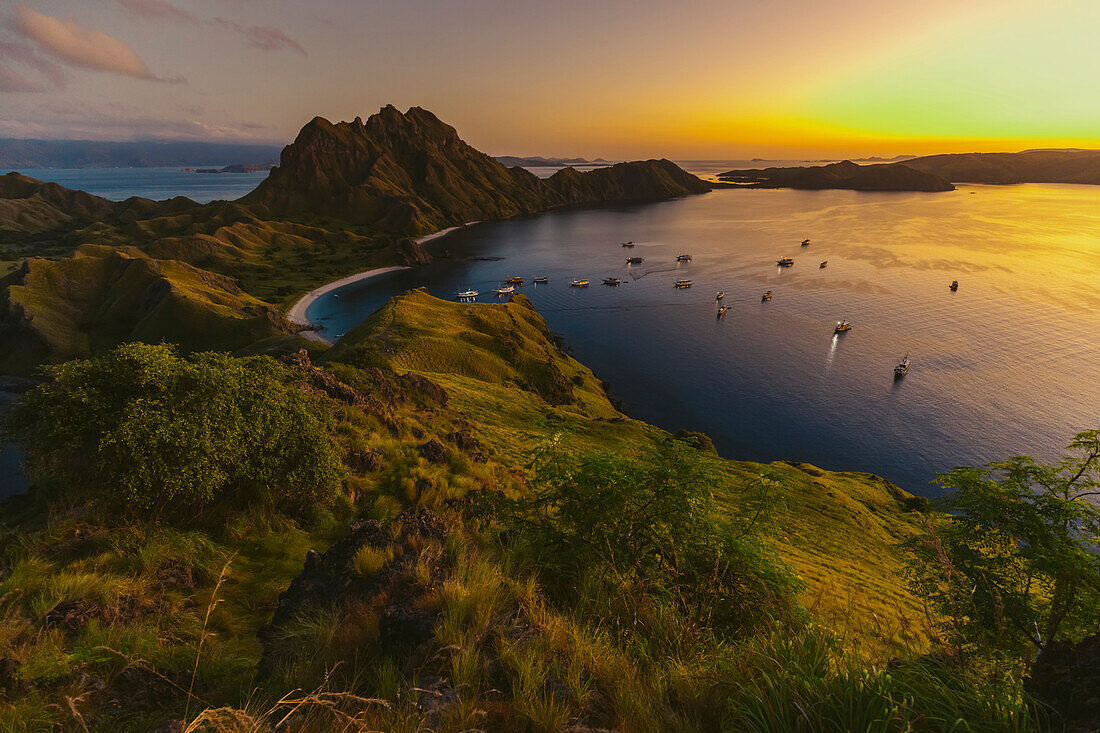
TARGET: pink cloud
(78,46)
(263,36)
(25,55)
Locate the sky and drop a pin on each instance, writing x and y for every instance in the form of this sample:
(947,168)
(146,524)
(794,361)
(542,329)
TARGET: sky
(694,79)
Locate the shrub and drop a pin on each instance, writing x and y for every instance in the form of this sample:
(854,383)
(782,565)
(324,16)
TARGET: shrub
(646,527)
(144,428)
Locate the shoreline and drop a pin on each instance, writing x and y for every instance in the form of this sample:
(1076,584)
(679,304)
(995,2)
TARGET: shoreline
(297,312)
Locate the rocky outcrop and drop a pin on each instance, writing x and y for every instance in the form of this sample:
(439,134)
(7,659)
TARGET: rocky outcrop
(1066,679)
(411,173)
(394,592)
(848,175)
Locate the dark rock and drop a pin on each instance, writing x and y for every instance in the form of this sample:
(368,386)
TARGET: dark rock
(364,461)
(321,380)
(69,616)
(178,577)
(425,388)
(1066,678)
(434,451)
(330,581)
(10,682)
(469,445)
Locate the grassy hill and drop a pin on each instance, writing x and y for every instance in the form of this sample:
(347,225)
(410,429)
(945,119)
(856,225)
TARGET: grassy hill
(437,403)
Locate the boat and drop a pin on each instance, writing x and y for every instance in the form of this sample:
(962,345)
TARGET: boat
(954,285)
(902,367)
(612,281)
(766,297)
(842,327)
(823,265)
(722,311)
(720,294)
(466,294)
(578,283)
(506,290)
(805,243)
(628,244)
(683,283)
(785,262)
(683,257)
(540,280)
(635,260)
(514,281)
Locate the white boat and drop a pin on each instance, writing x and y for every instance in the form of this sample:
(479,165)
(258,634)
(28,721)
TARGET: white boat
(540,280)
(506,290)
(902,367)
(467,294)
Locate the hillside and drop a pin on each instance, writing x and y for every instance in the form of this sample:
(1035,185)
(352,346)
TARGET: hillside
(425,602)
(411,174)
(849,175)
(1029,166)
(72,308)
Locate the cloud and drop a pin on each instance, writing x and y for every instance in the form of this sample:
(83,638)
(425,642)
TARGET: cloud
(11,81)
(24,54)
(78,46)
(262,36)
(157,10)
(71,120)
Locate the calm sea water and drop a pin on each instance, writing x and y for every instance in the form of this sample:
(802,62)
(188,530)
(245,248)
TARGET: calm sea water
(118,184)
(1009,364)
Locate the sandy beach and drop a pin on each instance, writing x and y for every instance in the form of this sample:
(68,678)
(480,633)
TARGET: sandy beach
(297,312)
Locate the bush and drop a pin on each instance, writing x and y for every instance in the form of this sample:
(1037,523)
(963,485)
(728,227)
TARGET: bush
(645,528)
(143,428)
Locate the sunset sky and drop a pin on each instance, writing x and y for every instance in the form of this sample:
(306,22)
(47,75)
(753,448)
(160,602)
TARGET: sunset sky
(691,79)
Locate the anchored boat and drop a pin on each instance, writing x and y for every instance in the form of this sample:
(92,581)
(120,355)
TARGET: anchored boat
(683,257)
(842,327)
(612,281)
(683,283)
(902,367)
(466,294)
(766,297)
(785,262)
(506,290)
(540,280)
(635,260)
(514,281)
(578,283)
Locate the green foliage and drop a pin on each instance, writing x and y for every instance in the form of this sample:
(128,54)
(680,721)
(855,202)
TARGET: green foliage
(806,684)
(1015,564)
(149,430)
(698,440)
(647,526)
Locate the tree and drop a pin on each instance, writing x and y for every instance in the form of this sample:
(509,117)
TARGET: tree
(142,428)
(1014,562)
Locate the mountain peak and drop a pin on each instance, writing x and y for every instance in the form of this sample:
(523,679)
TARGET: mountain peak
(408,173)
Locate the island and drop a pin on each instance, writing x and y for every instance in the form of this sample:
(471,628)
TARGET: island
(846,175)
